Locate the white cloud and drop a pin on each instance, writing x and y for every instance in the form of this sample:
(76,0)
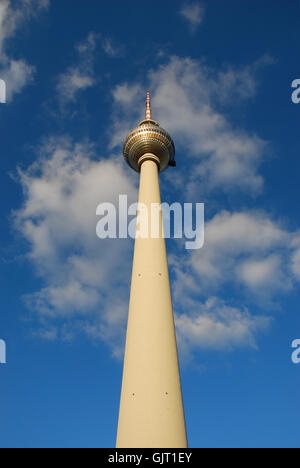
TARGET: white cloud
(234,84)
(245,249)
(215,325)
(111,48)
(86,280)
(188,99)
(16,72)
(48,334)
(88,45)
(73,81)
(68,300)
(80,76)
(259,274)
(124,97)
(193,13)
(295,264)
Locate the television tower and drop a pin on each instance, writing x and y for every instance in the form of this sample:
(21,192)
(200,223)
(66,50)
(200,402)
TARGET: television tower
(151,408)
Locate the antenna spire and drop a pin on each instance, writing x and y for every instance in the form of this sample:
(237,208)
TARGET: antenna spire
(148,108)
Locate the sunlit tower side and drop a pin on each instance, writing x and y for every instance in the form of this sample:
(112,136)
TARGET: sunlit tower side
(151,408)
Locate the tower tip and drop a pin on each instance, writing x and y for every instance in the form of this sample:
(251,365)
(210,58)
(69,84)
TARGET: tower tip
(148,108)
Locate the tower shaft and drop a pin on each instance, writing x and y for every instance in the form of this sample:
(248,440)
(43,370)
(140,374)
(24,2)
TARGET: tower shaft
(151,408)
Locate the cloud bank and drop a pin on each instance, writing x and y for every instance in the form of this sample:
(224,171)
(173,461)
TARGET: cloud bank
(86,281)
(17,73)
(187,99)
(193,14)
(81,76)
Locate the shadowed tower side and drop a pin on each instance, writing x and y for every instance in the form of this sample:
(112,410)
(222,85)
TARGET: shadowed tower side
(151,409)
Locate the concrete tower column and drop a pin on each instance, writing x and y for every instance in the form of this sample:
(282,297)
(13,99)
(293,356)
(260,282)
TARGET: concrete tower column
(151,409)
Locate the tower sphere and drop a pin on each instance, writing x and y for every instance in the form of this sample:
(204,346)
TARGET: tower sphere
(149,137)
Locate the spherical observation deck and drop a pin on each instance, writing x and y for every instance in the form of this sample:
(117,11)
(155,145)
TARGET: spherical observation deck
(149,137)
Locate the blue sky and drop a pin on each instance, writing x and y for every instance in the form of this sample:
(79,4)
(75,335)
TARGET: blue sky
(220,75)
